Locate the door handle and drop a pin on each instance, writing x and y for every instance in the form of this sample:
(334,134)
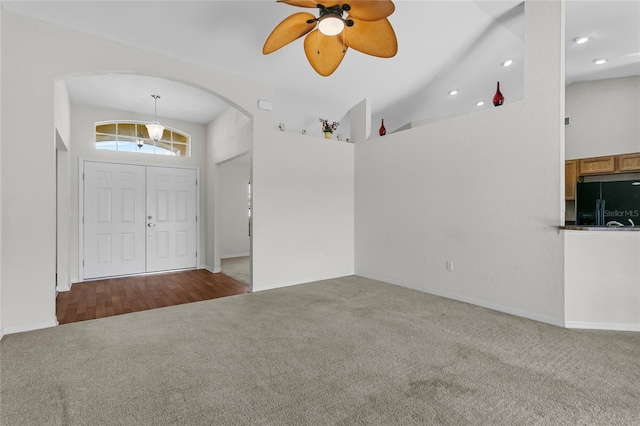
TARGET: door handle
(151,225)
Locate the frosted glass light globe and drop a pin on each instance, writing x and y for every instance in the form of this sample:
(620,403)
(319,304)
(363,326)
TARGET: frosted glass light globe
(155,130)
(331,26)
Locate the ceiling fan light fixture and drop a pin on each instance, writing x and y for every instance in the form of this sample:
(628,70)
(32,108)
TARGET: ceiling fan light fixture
(155,129)
(327,37)
(331,25)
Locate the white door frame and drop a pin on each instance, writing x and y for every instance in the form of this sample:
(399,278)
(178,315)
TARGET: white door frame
(81,162)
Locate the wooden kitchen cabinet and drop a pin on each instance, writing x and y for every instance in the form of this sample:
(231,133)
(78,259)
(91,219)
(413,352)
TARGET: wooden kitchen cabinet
(629,162)
(597,165)
(570,179)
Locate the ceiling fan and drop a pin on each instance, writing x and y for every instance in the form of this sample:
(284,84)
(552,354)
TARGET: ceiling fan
(365,29)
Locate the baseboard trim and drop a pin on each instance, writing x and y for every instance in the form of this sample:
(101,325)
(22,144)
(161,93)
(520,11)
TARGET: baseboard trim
(229,256)
(471,301)
(67,287)
(63,288)
(30,327)
(1,334)
(298,282)
(213,270)
(602,326)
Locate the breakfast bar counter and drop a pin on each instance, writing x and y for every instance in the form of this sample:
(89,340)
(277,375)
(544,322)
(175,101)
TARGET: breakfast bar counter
(599,228)
(602,277)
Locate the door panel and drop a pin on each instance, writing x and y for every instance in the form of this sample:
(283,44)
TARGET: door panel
(182,243)
(171,219)
(138,219)
(114,219)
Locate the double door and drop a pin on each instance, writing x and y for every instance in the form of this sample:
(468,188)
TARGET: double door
(138,219)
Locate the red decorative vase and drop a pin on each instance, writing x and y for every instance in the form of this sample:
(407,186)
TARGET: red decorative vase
(498,99)
(383,130)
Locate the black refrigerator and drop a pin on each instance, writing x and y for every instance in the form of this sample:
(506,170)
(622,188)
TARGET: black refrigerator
(604,203)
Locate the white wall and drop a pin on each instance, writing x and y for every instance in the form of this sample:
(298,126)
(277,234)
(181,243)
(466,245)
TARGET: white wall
(212,178)
(303,211)
(62,120)
(229,135)
(62,112)
(603,280)
(34,55)
(83,146)
(361,121)
(605,117)
(483,191)
(63,211)
(1,209)
(234,208)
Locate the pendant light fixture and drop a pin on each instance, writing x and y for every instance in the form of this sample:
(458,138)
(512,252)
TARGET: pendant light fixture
(155,129)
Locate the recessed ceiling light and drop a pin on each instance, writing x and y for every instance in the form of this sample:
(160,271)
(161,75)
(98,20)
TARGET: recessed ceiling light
(507,62)
(479,103)
(581,40)
(600,61)
(453,92)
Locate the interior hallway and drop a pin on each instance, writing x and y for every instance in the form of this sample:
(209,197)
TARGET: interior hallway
(115,296)
(238,268)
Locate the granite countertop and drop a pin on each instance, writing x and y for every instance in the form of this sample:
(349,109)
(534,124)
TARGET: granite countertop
(599,228)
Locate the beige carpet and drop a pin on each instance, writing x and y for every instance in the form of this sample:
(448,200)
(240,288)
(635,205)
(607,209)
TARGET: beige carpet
(238,268)
(349,351)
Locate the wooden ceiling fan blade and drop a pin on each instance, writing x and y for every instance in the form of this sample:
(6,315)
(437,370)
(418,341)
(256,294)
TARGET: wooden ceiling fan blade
(292,28)
(324,52)
(309,3)
(371,10)
(373,38)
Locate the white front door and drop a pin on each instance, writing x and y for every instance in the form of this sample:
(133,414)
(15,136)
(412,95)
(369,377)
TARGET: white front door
(114,219)
(138,219)
(171,219)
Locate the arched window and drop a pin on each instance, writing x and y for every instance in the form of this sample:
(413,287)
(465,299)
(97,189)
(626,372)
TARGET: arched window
(132,136)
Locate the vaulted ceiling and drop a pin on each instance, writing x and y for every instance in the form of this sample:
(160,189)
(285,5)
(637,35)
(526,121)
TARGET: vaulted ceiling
(443,45)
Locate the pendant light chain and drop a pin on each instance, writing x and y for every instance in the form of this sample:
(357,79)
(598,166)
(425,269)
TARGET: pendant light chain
(155,107)
(344,40)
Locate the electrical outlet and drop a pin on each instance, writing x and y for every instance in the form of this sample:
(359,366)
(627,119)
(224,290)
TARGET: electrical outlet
(449,265)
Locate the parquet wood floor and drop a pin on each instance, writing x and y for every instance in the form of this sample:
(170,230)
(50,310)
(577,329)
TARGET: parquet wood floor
(115,296)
